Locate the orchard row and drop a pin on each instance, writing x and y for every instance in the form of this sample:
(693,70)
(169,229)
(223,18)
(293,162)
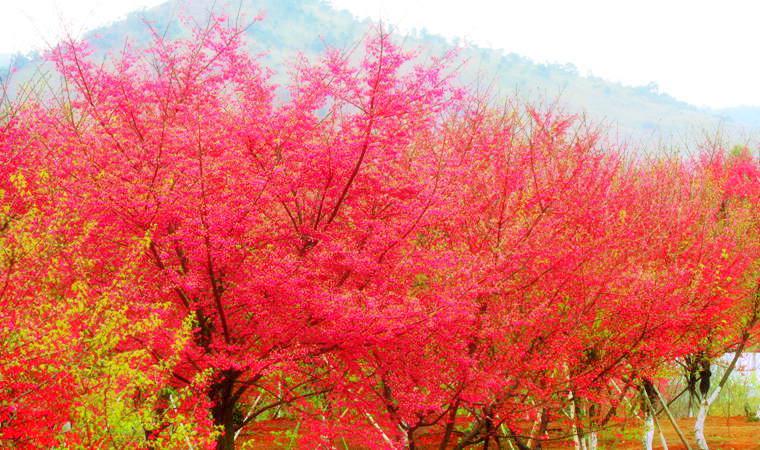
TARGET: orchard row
(191,253)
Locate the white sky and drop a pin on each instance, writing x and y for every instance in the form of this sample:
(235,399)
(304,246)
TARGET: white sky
(703,52)
(32,24)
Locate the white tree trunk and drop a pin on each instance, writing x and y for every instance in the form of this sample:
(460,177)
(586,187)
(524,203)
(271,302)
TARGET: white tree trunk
(577,438)
(648,438)
(706,401)
(380,430)
(533,430)
(592,441)
(704,407)
(699,425)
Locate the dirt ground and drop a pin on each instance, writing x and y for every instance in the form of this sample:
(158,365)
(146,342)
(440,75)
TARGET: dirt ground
(723,433)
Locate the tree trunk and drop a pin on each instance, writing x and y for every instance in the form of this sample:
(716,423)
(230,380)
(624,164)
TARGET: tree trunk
(592,441)
(224,400)
(488,428)
(227,440)
(574,419)
(576,435)
(224,419)
(648,393)
(410,442)
(450,422)
(648,438)
(379,429)
(707,400)
(538,430)
(541,431)
(699,425)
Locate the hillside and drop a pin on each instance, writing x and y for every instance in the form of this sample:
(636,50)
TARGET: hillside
(642,115)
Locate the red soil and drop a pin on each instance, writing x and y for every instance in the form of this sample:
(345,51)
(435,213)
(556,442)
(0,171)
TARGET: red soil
(723,433)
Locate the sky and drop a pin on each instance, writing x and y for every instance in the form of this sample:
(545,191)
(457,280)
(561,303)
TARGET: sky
(27,25)
(703,52)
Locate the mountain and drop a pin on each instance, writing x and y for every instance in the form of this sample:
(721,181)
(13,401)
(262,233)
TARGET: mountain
(641,115)
(747,115)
